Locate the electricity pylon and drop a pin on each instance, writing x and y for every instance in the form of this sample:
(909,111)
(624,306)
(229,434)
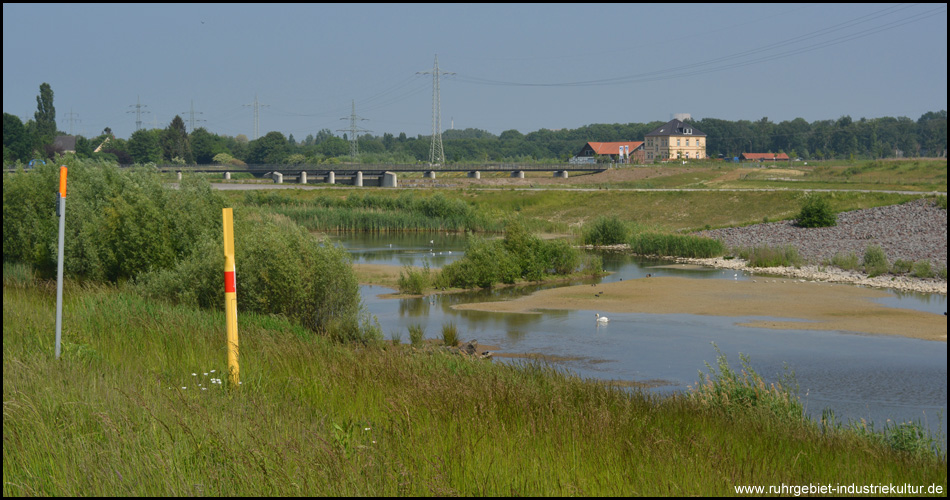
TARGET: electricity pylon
(192,113)
(354,146)
(257,115)
(436,153)
(138,112)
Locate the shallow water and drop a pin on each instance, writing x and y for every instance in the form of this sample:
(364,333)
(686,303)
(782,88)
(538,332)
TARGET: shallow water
(873,377)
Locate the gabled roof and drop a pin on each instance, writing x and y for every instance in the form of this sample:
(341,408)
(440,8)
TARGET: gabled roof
(676,127)
(612,148)
(765,156)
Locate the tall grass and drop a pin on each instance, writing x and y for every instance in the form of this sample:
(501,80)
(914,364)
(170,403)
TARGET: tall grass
(676,245)
(122,413)
(765,256)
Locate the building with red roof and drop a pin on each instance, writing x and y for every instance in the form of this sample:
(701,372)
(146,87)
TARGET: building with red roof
(632,151)
(764,157)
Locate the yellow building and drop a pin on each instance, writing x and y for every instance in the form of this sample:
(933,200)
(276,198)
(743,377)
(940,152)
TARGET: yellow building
(675,140)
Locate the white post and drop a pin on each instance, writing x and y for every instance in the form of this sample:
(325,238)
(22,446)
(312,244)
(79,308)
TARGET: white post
(61,212)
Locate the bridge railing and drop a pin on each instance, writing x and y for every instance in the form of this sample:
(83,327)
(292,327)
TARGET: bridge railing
(390,167)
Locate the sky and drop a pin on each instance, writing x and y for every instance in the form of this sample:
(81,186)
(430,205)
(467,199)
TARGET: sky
(507,66)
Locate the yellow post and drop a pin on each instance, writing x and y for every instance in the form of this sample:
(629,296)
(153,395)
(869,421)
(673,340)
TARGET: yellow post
(230,297)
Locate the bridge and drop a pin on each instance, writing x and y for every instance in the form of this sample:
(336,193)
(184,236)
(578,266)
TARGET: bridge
(384,175)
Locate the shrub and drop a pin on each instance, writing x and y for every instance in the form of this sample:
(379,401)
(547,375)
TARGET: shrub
(923,269)
(605,231)
(848,262)
(414,281)
(875,262)
(816,212)
(120,223)
(281,269)
(901,266)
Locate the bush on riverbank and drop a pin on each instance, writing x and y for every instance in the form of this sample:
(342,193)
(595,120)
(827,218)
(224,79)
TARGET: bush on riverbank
(605,231)
(816,212)
(519,255)
(126,225)
(875,262)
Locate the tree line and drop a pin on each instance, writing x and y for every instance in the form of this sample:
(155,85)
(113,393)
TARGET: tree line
(843,138)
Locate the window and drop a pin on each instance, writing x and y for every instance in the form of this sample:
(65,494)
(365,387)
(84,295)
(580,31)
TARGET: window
(677,142)
(687,142)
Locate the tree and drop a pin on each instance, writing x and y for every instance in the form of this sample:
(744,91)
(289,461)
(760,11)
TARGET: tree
(204,145)
(145,146)
(175,143)
(268,150)
(45,115)
(16,140)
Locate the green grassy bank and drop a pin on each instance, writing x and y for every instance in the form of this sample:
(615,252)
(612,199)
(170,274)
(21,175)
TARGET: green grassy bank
(133,408)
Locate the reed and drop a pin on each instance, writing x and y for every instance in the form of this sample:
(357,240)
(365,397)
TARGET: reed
(675,245)
(765,256)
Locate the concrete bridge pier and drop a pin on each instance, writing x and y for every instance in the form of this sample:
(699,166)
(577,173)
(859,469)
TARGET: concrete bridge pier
(561,174)
(389,179)
(475,174)
(331,178)
(358,179)
(430,174)
(278,177)
(303,177)
(518,174)
(227,176)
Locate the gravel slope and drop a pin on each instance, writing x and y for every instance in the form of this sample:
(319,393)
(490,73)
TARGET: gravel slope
(913,231)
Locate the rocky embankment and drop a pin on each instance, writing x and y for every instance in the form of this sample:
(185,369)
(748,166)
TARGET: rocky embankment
(912,232)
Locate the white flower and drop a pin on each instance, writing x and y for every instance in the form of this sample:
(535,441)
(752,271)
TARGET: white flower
(194,374)
(184,387)
(204,388)
(206,374)
(366,429)
(212,371)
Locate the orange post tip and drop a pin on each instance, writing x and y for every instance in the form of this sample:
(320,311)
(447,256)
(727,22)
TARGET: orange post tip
(62,181)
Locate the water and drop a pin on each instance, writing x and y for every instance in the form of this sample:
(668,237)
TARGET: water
(874,377)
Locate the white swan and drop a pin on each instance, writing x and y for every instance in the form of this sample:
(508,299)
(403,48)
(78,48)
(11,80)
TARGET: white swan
(601,319)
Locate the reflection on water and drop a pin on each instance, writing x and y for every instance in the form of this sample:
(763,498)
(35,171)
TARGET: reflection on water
(859,376)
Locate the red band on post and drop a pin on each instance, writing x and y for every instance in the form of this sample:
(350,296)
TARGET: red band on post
(229,282)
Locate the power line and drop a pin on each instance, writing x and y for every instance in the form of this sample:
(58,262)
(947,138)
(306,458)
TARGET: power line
(678,71)
(354,146)
(436,153)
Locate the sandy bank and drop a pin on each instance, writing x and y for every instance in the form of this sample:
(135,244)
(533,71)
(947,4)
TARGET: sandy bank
(794,305)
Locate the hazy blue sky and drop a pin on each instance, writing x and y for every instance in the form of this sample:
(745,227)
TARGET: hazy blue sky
(523,67)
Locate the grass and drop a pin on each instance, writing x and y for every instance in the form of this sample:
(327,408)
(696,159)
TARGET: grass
(121,413)
(565,211)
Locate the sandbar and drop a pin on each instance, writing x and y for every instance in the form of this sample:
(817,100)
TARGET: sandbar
(791,304)
(786,304)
